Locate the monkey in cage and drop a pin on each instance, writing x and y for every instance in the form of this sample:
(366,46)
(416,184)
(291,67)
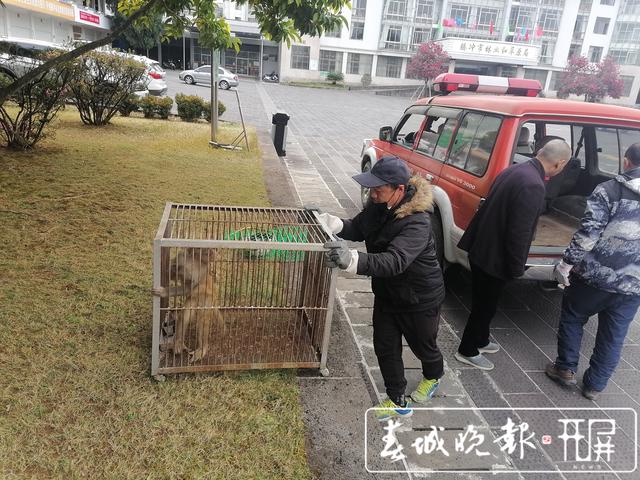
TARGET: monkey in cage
(197,283)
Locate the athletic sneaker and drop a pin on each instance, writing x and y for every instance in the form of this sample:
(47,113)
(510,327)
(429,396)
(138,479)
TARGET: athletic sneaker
(477,361)
(590,393)
(389,409)
(563,376)
(425,390)
(489,348)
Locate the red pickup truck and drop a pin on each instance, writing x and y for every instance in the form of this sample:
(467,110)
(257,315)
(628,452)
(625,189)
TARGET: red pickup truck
(462,142)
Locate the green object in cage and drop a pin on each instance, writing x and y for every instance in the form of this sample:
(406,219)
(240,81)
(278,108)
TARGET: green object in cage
(294,234)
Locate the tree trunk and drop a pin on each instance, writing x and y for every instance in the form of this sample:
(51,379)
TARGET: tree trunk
(22,81)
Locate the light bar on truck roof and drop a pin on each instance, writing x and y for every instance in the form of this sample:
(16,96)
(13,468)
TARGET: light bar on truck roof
(461,82)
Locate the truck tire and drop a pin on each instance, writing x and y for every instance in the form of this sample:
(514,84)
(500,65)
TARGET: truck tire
(364,192)
(438,238)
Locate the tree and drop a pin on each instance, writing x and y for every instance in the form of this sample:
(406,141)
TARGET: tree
(576,77)
(606,81)
(279,20)
(594,81)
(144,36)
(429,61)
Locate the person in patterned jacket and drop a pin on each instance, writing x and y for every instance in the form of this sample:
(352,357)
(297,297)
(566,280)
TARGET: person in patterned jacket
(601,272)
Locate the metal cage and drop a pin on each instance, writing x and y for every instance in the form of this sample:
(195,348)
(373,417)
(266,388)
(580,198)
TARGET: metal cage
(240,288)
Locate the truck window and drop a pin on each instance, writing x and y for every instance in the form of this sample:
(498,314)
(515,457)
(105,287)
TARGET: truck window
(405,135)
(608,150)
(572,134)
(437,131)
(474,143)
(627,137)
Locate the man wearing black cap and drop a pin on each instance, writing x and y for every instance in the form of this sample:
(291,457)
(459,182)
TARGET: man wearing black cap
(405,276)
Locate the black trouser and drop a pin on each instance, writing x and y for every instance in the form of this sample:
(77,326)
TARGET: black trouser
(485,293)
(420,329)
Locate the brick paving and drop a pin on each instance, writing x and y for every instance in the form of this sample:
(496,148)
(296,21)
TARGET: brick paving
(323,151)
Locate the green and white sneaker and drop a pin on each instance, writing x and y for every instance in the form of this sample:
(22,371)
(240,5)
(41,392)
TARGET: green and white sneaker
(425,390)
(389,409)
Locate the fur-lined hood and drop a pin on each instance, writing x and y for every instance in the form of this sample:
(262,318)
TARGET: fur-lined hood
(420,200)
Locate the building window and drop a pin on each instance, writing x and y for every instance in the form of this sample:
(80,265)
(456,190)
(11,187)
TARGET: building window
(460,13)
(300,57)
(394,34)
(602,26)
(607,2)
(595,53)
(330,61)
(549,21)
(628,83)
(580,27)
(359,63)
(574,50)
(508,71)
(625,57)
(424,9)
(397,8)
(631,7)
(389,66)
(359,9)
(555,76)
(627,32)
(532,74)
(357,30)
(486,17)
(521,17)
(420,36)
(337,33)
(546,51)
(585,6)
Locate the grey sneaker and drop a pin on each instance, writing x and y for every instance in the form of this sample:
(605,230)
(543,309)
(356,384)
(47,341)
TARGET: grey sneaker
(589,393)
(560,375)
(490,347)
(478,361)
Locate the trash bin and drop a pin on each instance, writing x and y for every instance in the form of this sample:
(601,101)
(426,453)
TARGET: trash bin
(279,132)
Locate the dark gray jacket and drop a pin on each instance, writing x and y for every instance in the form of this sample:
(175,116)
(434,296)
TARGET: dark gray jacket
(606,248)
(401,258)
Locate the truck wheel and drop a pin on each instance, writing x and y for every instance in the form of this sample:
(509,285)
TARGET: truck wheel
(364,192)
(438,238)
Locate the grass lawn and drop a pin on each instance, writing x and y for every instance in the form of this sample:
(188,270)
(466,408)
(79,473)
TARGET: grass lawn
(78,217)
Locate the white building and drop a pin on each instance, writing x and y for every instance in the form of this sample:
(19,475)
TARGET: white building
(53,22)
(486,37)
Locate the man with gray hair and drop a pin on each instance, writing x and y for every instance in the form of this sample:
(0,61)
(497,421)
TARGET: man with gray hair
(498,240)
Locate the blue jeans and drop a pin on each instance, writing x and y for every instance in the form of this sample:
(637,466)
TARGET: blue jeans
(615,313)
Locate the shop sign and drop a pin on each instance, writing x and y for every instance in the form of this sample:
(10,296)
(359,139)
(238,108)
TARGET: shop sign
(49,7)
(490,51)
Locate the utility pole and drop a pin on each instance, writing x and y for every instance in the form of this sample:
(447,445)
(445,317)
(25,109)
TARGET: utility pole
(214,97)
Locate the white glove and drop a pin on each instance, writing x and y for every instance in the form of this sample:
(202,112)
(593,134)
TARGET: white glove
(333,223)
(561,273)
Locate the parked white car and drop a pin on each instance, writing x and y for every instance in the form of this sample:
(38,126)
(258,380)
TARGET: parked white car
(226,79)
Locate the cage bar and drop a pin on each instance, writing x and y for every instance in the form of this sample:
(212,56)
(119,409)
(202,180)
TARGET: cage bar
(242,288)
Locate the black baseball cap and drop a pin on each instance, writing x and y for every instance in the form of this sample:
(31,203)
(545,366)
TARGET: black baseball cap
(387,170)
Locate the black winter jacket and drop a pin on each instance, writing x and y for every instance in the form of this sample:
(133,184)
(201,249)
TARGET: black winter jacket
(401,258)
(499,236)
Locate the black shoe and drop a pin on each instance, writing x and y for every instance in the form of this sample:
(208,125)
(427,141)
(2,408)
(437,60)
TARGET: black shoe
(560,375)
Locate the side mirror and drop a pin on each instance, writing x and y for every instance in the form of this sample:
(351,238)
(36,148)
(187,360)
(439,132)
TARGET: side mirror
(385,134)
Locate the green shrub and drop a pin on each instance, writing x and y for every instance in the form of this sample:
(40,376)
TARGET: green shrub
(206,110)
(26,115)
(160,106)
(102,82)
(128,105)
(189,107)
(366,80)
(334,77)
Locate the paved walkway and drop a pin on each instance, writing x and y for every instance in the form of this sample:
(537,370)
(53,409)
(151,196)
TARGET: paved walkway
(325,134)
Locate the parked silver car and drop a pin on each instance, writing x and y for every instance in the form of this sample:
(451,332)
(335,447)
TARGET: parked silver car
(202,74)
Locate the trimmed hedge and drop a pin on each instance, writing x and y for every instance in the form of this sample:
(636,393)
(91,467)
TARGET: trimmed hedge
(189,107)
(128,105)
(160,106)
(206,110)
